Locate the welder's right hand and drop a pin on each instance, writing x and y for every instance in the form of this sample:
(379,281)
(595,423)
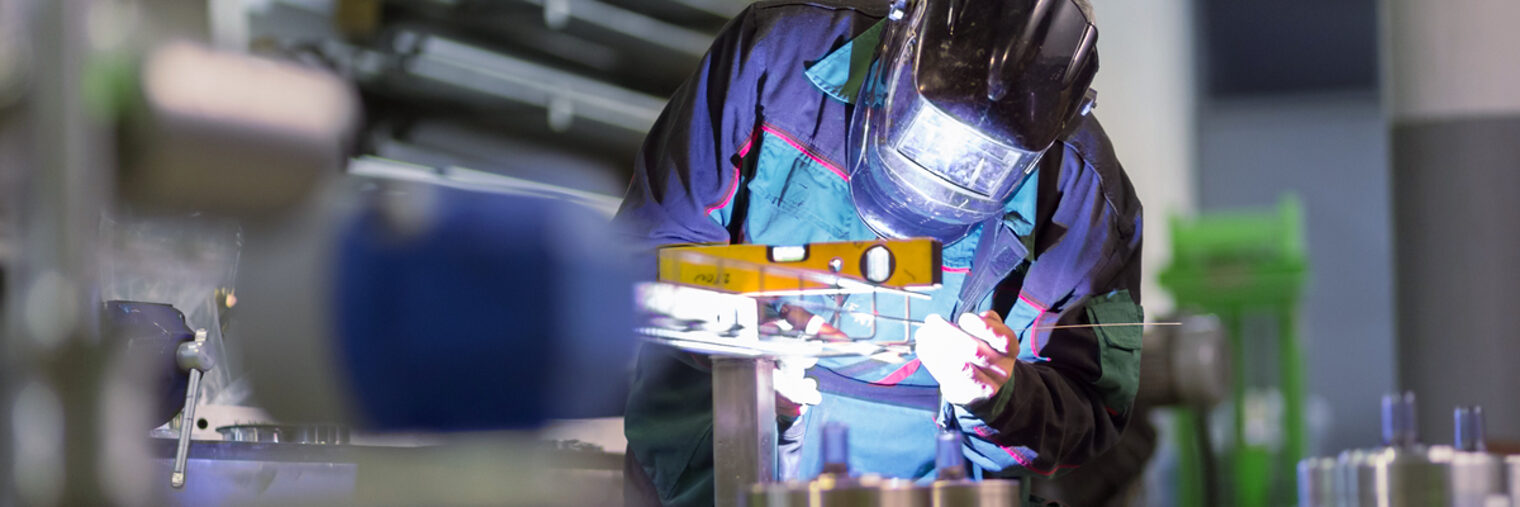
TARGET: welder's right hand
(972,360)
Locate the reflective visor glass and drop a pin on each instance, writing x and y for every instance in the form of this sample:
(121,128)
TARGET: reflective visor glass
(960,154)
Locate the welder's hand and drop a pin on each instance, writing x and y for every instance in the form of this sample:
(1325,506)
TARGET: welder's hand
(970,361)
(794,392)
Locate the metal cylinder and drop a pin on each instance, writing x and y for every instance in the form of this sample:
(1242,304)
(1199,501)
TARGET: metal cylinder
(1349,479)
(1512,473)
(964,493)
(1474,476)
(1400,427)
(830,490)
(949,461)
(903,493)
(1317,482)
(1402,477)
(778,494)
(1468,423)
(836,448)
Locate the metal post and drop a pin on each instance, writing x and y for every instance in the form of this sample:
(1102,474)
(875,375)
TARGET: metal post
(744,426)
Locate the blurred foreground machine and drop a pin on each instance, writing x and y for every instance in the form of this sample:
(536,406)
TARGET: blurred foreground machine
(1406,472)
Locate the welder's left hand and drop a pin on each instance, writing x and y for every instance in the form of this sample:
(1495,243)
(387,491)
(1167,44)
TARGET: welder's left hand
(970,361)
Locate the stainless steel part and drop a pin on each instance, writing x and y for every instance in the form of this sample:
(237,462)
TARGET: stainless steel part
(966,493)
(1348,477)
(1468,423)
(833,490)
(1400,427)
(1317,482)
(1475,476)
(1402,476)
(310,434)
(778,494)
(903,493)
(1512,474)
(744,426)
(194,358)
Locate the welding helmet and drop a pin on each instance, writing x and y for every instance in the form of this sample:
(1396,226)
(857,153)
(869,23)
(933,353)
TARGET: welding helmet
(963,99)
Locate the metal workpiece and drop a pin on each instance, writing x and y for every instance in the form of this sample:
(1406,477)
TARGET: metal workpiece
(1512,478)
(778,494)
(744,426)
(968,493)
(307,434)
(1475,474)
(1403,476)
(836,490)
(902,493)
(841,490)
(1406,472)
(1473,477)
(1317,478)
(1400,426)
(949,459)
(1468,427)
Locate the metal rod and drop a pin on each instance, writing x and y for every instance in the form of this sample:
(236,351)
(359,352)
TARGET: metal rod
(186,424)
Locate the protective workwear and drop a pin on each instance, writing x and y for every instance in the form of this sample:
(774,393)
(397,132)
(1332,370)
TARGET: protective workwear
(965,98)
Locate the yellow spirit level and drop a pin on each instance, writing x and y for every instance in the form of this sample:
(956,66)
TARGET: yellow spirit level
(814,267)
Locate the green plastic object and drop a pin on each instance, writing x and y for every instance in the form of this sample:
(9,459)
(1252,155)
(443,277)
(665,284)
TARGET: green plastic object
(1235,264)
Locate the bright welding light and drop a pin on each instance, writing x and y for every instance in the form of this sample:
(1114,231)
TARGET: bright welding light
(959,153)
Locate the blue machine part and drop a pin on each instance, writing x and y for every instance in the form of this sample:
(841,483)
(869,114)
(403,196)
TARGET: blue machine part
(500,313)
(153,331)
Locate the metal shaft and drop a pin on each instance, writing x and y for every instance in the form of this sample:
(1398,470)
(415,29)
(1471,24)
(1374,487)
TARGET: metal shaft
(186,424)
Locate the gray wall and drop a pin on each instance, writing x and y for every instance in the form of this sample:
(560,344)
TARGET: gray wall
(1331,150)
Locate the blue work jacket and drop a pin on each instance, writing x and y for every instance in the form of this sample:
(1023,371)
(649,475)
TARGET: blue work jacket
(751,150)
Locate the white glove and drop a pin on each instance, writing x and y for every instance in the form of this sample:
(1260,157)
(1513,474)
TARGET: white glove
(971,361)
(795,392)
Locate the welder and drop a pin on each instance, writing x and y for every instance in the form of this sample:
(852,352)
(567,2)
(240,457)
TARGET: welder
(966,121)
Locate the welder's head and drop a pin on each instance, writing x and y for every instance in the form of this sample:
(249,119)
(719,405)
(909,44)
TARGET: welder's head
(963,99)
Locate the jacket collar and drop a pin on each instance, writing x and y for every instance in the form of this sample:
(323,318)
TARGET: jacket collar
(841,72)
